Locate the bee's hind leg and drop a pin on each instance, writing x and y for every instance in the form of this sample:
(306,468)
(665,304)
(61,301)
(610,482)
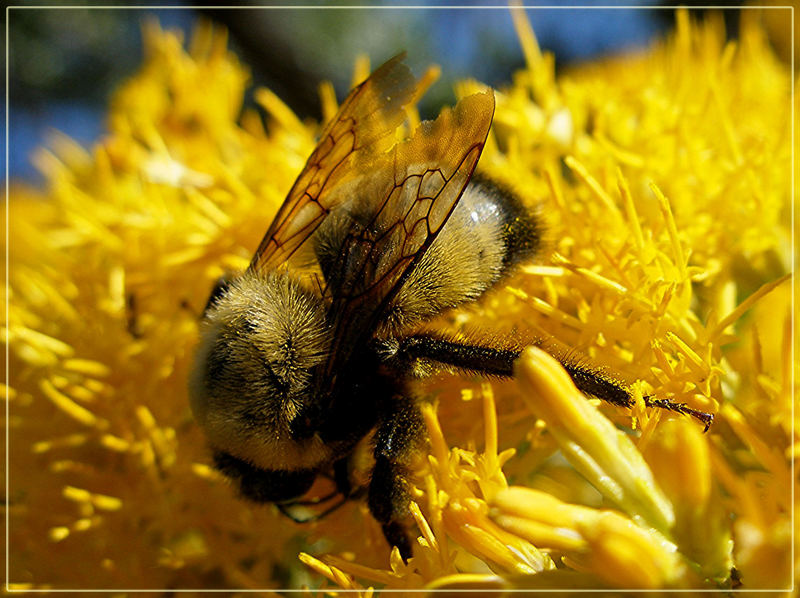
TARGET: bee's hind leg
(600,384)
(344,491)
(397,436)
(500,362)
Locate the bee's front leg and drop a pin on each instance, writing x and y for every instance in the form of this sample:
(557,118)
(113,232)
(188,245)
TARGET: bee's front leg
(398,435)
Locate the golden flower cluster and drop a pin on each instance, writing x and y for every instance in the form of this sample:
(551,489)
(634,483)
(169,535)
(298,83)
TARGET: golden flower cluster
(664,178)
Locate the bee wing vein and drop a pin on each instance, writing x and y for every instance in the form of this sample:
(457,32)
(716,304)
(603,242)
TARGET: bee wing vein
(360,130)
(419,195)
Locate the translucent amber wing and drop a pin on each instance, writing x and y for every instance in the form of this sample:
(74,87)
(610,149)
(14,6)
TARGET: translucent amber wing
(411,191)
(362,127)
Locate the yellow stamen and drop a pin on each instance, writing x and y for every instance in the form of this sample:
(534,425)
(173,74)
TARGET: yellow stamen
(86,366)
(278,110)
(69,407)
(327,100)
(593,184)
(361,70)
(678,257)
(630,210)
(530,47)
(745,305)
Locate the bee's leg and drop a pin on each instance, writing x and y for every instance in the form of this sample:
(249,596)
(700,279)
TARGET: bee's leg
(500,362)
(396,437)
(280,487)
(285,508)
(469,358)
(599,384)
(344,490)
(264,485)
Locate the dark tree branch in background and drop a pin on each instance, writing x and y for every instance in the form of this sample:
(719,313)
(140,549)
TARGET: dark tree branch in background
(271,58)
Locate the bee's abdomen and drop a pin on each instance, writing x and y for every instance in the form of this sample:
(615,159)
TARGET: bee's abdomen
(488,233)
(521,228)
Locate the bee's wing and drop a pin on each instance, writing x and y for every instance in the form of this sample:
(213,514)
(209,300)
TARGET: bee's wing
(411,191)
(361,128)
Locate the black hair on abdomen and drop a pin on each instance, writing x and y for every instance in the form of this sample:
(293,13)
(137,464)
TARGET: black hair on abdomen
(522,227)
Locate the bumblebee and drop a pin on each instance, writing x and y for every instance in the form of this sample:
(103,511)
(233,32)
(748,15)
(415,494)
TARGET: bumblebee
(316,345)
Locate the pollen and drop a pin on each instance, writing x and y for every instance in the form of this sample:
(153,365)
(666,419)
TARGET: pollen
(663,177)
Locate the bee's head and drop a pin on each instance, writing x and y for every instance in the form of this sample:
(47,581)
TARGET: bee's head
(252,385)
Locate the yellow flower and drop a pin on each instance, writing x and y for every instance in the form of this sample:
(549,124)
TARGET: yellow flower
(604,455)
(603,543)
(664,179)
(680,458)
